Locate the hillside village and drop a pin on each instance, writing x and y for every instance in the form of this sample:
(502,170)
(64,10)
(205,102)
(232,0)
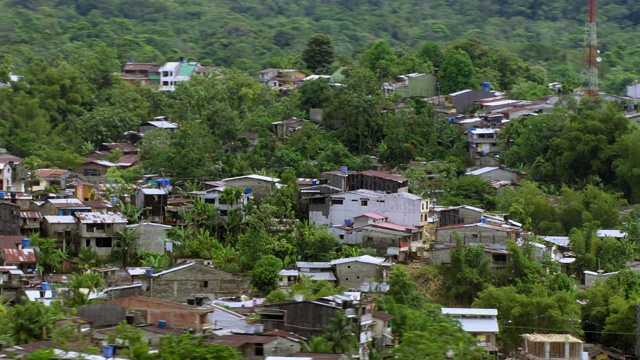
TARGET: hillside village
(135,236)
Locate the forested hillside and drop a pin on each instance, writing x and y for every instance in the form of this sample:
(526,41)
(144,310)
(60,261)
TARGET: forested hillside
(247,33)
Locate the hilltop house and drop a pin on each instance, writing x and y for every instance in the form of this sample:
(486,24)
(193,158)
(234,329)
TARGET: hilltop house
(152,237)
(100,230)
(257,186)
(482,324)
(9,170)
(352,272)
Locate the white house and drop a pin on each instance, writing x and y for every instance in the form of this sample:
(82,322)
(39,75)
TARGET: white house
(482,324)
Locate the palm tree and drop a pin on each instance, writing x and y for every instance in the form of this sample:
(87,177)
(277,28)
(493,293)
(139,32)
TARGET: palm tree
(341,333)
(127,244)
(87,258)
(31,164)
(317,344)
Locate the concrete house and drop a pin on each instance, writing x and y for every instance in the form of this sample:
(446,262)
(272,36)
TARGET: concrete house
(62,207)
(142,74)
(346,180)
(498,256)
(186,280)
(482,324)
(390,240)
(65,230)
(259,347)
(100,230)
(152,237)
(153,202)
(257,186)
(223,318)
(341,208)
(213,195)
(464,99)
(454,215)
(352,272)
(316,270)
(9,218)
(483,141)
(10,282)
(413,85)
(9,170)
(478,233)
(495,173)
(160,122)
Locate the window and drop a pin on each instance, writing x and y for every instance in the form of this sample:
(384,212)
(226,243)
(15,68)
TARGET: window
(341,236)
(103,242)
(165,83)
(204,284)
(87,243)
(259,350)
(90,172)
(336,202)
(67,233)
(364,202)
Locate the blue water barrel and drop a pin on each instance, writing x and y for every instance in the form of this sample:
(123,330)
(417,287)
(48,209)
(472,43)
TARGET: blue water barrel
(107,351)
(45,285)
(162,324)
(248,191)
(2,195)
(314,182)
(148,272)
(344,169)
(26,242)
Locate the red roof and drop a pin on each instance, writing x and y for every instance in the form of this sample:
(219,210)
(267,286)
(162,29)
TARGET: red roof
(18,256)
(50,172)
(374,216)
(392,226)
(10,241)
(30,215)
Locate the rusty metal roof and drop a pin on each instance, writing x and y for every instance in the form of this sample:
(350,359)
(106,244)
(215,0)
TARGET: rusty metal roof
(30,214)
(45,173)
(15,256)
(96,217)
(69,202)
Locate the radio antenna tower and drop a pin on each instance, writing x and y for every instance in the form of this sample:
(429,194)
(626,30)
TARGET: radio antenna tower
(591,49)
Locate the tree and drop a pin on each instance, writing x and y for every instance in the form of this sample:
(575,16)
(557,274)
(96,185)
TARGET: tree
(126,244)
(190,347)
(317,344)
(381,59)
(468,272)
(431,52)
(470,190)
(266,274)
(341,334)
(50,257)
(31,164)
(319,54)
(32,321)
(457,72)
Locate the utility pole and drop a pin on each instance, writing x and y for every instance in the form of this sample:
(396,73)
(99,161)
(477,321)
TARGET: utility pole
(591,50)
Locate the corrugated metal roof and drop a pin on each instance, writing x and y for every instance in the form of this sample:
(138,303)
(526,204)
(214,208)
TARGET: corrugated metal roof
(385,175)
(483,170)
(470,311)
(30,215)
(16,256)
(479,325)
(363,258)
(374,216)
(551,338)
(65,219)
(69,202)
(253,176)
(43,173)
(392,226)
(313,265)
(611,233)
(175,268)
(96,217)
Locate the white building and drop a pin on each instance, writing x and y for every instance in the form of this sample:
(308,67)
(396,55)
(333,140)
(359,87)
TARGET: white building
(482,324)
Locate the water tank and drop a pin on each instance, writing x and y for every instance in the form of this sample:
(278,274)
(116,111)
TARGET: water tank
(249,329)
(374,286)
(107,351)
(148,272)
(483,220)
(259,328)
(314,182)
(2,195)
(452,120)
(162,324)
(26,242)
(298,297)
(344,169)
(486,86)
(348,222)
(383,287)
(248,191)
(365,287)
(45,285)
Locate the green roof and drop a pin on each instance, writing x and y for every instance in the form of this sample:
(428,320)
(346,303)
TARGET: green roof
(186,69)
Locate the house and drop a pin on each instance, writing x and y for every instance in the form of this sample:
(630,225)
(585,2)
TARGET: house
(616,234)
(390,240)
(61,207)
(413,85)
(214,195)
(10,282)
(258,347)
(11,241)
(497,255)
(188,279)
(100,230)
(9,169)
(95,168)
(65,230)
(165,313)
(465,99)
(551,346)
(483,142)
(152,237)
(101,206)
(278,78)
(340,209)
(454,215)
(30,222)
(126,148)
(478,233)
(9,219)
(257,186)
(160,122)
(495,173)
(223,318)
(153,203)
(51,177)
(339,179)
(482,324)
(142,74)
(287,277)
(267,74)
(288,126)
(22,259)
(151,333)
(352,272)
(316,270)
(175,72)
(378,181)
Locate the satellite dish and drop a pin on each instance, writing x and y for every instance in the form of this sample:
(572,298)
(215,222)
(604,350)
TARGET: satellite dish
(598,59)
